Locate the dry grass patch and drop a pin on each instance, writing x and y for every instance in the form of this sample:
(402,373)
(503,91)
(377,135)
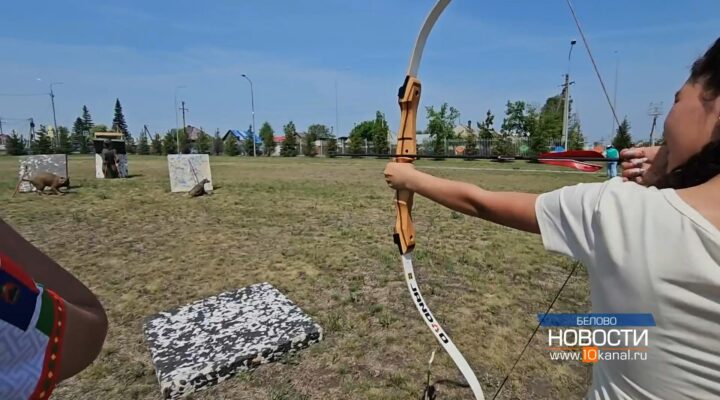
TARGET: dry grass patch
(320,231)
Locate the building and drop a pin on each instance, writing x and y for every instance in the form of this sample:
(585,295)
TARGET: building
(462,131)
(4,141)
(192,133)
(278,140)
(241,137)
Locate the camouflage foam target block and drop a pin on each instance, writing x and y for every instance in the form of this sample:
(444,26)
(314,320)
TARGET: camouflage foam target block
(208,341)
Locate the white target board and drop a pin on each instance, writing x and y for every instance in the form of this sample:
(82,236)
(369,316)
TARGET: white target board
(35,164)
(187,170)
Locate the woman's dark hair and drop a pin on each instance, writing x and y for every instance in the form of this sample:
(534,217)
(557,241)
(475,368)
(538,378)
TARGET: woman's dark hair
(705,165)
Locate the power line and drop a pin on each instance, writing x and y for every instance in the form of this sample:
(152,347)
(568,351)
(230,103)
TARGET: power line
(22,94)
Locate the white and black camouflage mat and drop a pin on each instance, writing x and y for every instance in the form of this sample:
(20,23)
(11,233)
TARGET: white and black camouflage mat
(210,340)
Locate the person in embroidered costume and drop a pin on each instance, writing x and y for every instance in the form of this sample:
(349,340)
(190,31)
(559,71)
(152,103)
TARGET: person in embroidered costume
(51,325)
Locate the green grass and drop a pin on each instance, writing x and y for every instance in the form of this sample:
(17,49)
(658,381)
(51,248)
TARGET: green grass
(319,230)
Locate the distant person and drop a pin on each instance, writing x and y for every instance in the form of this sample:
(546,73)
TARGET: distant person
(110,161)
(51,325)
(652,247)
(612,153)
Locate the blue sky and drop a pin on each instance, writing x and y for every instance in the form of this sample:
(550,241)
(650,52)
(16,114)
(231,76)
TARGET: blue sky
(480,54)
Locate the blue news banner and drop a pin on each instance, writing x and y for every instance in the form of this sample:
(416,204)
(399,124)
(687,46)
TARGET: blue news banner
(595,320)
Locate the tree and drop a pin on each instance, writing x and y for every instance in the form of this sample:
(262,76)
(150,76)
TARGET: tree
(16,145)
(623,139)
(130,144)
(231,146)
(536,127)
(486,128)
(63,146)
(364,130)
(309,145)
(249,142)
(42,143)
(156,145)
(80,140)
(319,131)
(514,122)
(169,143)
(356,143)
(177,136)
(218,145)
(576,140)
(332,146)
(289,145)
(359,135)
(441,123)
(380,134)
(143,148)
(268,138)
(545,128)
(502,147)
(87,119)
(99,128)
(471,147)
(204,143)
(119,124)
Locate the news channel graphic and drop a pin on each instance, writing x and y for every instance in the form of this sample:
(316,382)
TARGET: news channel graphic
(596,337)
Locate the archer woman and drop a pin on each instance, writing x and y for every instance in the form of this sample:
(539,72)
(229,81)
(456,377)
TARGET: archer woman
(652,247)
(51,325)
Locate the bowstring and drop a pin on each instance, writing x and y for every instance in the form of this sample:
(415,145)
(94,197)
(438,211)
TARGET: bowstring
(537,327)
(594,64)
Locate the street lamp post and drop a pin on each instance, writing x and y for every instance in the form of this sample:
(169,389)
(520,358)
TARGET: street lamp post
(252,104)
(177,128)
(52,101)
(566,102)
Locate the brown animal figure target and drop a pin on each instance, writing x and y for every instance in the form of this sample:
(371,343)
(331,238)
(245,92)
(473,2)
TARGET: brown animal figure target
(46,179)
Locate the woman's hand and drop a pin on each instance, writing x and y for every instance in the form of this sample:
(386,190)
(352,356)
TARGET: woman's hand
(400,176)
(644,165)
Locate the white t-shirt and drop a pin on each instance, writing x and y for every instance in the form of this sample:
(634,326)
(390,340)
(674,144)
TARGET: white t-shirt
(646,251)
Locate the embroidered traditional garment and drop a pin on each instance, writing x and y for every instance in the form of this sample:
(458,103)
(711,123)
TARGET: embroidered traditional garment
(32,329)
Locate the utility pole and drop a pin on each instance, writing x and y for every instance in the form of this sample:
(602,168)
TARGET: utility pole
(655,111)
(1,131)
(566,100)
(56,137)
(177,128)
(31,134)
(177,134)
(566,110)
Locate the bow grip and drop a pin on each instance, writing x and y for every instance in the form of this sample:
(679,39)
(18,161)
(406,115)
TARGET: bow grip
(409,100)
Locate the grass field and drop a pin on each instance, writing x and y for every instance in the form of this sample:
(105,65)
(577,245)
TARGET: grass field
(320,231)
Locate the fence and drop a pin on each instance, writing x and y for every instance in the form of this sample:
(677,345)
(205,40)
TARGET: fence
(486,148)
